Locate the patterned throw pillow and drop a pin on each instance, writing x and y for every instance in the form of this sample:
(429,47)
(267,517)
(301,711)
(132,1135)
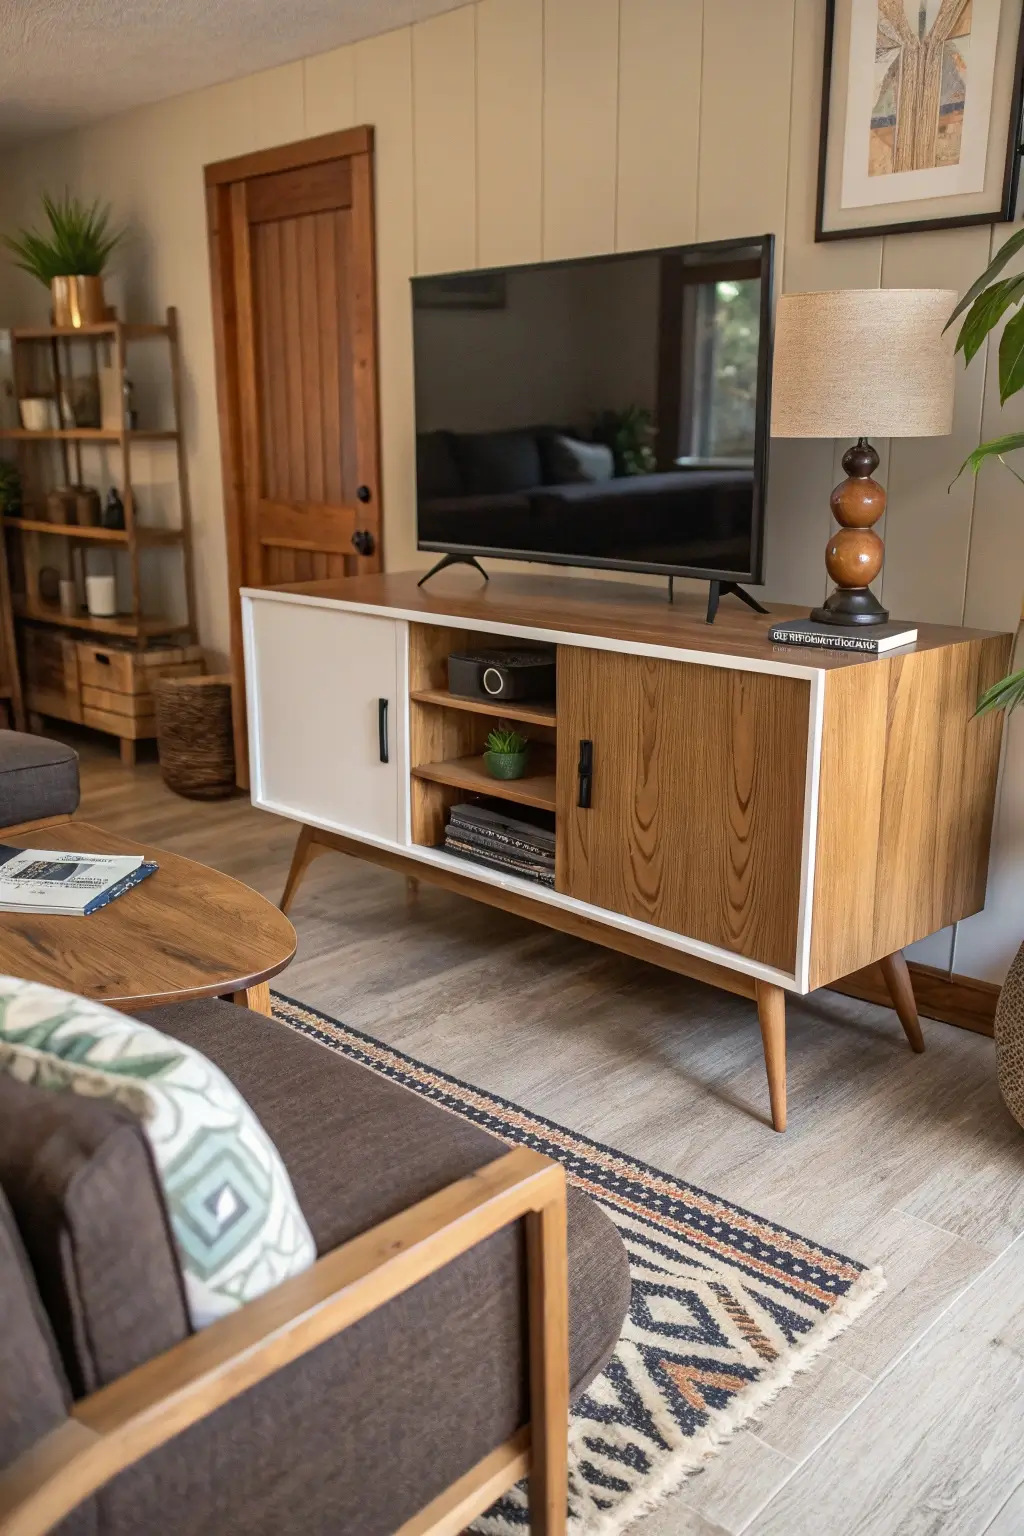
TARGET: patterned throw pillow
(235,1218)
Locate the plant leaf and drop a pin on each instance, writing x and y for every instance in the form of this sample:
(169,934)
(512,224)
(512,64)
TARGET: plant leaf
(986,312)
(991,450)
(995,266)
(1006,694)
(1011,358)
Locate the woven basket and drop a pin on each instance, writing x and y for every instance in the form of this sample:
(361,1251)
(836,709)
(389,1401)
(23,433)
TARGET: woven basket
(194,736)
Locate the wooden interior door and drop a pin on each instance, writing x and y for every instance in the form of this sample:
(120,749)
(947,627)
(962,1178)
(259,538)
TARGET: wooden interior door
(695,820)
(293,271)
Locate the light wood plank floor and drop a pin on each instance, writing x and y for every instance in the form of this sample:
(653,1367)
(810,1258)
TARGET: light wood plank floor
(911,1421)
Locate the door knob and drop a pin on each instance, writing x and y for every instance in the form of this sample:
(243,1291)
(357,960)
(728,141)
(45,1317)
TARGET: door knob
(363,541)
(363,493)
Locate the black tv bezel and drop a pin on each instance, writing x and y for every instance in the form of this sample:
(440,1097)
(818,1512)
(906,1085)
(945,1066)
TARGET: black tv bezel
(754,576)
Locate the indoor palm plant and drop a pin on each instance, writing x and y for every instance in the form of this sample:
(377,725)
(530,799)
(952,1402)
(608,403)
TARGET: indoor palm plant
(69,257)
(986,303)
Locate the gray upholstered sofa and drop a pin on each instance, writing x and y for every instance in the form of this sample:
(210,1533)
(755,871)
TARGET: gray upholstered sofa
(363,1431)
(38,778)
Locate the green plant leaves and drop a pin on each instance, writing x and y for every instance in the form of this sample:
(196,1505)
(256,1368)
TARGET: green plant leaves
(986,312)
(1006,694)
(506,741)
(995,266)
(1011,358)
(78,243)
(991,450)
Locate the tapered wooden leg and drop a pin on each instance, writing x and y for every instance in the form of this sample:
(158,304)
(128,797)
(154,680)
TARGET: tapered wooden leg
(127,752)
(412,888)
(771,1013)
(548,1283)
(257,998)
(901,990)
(305,852)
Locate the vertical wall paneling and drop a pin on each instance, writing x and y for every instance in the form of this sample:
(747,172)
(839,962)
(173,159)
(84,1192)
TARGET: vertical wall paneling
(509,110)
(748,58)
(384,99)
(928,523)
(659,121)
(330,91)
(444,127)
(581,69)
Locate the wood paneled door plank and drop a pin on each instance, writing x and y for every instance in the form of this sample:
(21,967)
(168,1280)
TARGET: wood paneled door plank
(294,292)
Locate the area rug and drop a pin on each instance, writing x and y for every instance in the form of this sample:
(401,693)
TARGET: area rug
(726,1307)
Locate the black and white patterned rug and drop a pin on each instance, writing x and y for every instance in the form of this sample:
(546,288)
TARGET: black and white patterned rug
(726,1307)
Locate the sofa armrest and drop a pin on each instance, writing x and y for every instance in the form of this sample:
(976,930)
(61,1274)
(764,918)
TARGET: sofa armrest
(123,1422)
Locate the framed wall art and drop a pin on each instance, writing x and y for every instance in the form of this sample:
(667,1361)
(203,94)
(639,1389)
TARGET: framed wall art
(921,115)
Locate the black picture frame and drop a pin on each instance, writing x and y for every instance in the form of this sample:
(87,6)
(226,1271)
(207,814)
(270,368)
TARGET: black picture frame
(1011,174)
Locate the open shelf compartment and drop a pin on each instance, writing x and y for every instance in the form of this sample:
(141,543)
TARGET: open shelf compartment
(447,736)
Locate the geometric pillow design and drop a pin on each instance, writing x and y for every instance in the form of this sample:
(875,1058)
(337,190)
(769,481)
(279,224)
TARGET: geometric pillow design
(236,1222)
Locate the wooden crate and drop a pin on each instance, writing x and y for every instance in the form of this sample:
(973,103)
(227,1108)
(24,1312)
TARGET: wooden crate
(117,684)
(119,670)
(51,672)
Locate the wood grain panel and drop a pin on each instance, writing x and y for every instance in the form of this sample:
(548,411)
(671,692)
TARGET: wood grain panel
(659,122)
(581,65)
(312,188)
(906,797)
(444,113)
(509,108)
(617,610)
(698,788)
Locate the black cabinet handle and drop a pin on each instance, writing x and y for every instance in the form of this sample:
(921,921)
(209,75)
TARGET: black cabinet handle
(363,493)
(586,773)
(382,728)
(363,541)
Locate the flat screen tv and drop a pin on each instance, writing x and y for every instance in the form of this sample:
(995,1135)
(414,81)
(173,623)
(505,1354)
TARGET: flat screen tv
(609,412)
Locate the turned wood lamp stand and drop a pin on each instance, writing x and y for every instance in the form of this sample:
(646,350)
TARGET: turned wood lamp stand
(859,363)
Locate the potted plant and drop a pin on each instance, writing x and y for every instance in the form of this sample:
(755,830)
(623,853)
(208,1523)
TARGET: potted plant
(69,257)
(506,754)
(986,303)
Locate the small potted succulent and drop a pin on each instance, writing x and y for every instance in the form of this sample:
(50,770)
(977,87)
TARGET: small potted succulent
(69,257)
(506,754)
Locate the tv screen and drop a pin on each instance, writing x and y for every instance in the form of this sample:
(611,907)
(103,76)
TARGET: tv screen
(609,412)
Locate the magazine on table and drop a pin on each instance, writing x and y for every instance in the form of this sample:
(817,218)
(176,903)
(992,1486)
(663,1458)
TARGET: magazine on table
(58,884)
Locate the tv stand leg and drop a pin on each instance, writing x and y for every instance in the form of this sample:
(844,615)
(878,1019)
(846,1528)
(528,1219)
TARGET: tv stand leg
(719,589)
(771,1014)
(447,560)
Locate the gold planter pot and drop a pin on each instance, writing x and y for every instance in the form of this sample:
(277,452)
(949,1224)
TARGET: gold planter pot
(78,301)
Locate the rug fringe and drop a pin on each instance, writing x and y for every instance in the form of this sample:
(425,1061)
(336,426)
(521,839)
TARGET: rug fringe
(687,1459)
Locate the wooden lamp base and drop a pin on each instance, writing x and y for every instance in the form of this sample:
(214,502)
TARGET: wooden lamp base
(854,555)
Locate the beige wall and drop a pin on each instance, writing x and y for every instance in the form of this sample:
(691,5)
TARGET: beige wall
(511,130)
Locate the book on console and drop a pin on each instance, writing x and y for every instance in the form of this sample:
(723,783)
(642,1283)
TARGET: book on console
(873,639)
(52,883)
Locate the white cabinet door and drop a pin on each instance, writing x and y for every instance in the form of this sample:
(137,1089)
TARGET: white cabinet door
(326,721)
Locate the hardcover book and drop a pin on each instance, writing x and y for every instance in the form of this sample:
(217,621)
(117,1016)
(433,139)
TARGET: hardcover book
(873,639)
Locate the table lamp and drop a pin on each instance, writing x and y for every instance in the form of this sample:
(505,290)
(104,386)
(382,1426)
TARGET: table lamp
(861,362)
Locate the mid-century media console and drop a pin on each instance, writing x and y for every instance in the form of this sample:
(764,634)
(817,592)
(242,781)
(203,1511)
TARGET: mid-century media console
(766,819)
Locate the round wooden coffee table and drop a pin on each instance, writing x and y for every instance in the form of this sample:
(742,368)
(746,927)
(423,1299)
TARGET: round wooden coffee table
(187,931)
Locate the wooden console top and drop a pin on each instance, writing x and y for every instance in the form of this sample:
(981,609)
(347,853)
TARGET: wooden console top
(614,610)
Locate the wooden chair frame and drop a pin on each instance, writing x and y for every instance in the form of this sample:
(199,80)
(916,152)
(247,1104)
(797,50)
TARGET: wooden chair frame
(123,1422)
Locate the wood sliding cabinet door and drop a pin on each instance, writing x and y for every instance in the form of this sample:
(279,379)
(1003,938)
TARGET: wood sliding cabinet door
(293,271)
(696,813)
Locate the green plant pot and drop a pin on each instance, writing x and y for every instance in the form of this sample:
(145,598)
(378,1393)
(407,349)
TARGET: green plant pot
(506,765)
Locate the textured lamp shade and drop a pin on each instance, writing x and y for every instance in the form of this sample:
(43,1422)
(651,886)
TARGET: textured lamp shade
(864,362)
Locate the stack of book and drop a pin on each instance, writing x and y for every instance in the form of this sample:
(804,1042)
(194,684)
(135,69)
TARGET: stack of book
(507,843)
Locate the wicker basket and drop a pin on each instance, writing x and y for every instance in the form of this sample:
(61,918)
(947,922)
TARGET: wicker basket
(194,736)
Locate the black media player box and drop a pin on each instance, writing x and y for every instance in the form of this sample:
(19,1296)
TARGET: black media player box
(502,674)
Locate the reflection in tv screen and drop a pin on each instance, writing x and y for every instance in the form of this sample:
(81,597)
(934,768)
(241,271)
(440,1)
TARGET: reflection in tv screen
(611,411)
